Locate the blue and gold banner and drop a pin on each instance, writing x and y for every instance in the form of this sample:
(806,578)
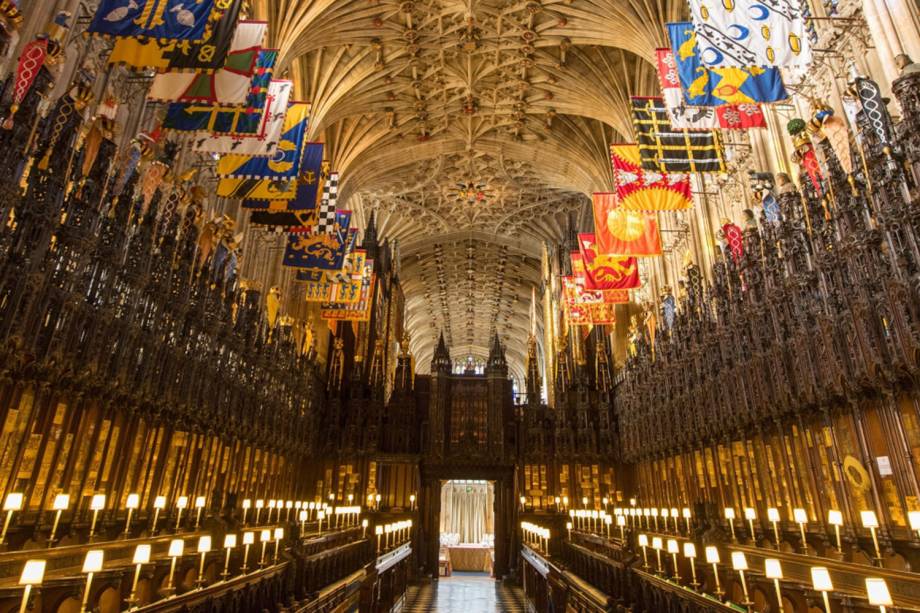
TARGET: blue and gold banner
(704,86)
(321,250)
(354,311)
(257,189)
(285,163)
(321,286)
(160,19)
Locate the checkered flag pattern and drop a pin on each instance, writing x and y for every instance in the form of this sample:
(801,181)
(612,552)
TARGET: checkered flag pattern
(326,220)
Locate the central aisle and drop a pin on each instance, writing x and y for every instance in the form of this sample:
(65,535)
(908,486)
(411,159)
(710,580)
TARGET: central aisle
(464,593)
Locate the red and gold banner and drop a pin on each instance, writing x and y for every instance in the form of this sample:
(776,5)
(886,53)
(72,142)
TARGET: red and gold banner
(576,294)
(623,232)
(604,271)
(647,190)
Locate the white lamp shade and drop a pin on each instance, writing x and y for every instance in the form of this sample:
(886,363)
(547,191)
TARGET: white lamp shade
(249,538)
(913,517)
(229,541)
(364,523)
(260,503)
(772,568)
(686,513)
(689,550)
(182,502)
(821,579)
(321,515)
(204,543)
(800,516)
(568,526)
(265,536)
(289,504)
(33,573)
(773,514)
(61,501)
(92,563)
(13,502)
(739,560)
(712,555)
(729,513)
(673,512)
(133,501)
(621,520)
(643,540)
(657,543)
(378,530)
(159,502)
(199,502)
(141,554)
(247,504)
(97,503)
(835,518)
(176,548)
(878,593)
(673,547)
(869,519)
(279,533)
(750,514)
(272,504)
(303,516)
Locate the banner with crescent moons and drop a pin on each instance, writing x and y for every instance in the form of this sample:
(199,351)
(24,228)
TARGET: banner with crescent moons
(744,33)
(285,163)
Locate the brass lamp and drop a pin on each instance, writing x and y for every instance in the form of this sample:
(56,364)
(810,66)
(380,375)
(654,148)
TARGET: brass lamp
(870,521)
(835,518)
(204,547)
(176,549)
(181,505)
(773,516)
(821,582)
(92,564)
(60,504)
(248,539)
(199,505)
(96,504)
(33,573)
(730,518)
(132,503)
(141,557)
(690,554)
(658,545)
(712,557)
(739,563)
(11,504)
(774,570)
(801,518)
(264,537)
(674,549)
(643,543)
(229,544)
(159,503)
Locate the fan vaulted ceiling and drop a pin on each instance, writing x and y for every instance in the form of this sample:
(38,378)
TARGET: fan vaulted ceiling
(474,130)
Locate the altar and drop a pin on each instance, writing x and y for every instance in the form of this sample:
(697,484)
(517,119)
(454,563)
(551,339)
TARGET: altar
(470,558)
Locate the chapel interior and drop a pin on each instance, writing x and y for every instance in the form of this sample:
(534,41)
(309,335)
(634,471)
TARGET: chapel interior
(378,306)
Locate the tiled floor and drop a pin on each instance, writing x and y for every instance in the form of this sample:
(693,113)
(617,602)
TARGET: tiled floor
(465,593)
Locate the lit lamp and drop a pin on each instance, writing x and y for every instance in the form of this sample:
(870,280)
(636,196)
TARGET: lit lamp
(774,570)
(11,504)
(878,593)
(378,530)
(33,573)
(279,536)
(773,517)
(159,503)
(199,505)
(870,521)
(377,500)
(288,505)
(204,546)
(321,516)
(605,500)
(821,582)
(60,504)
(260,504)
(141,557)
(264,537)
(584,502)
(675,516)
(132,503)
(557,500)
(801,518)
(712,557)
(568,529)
(229,544)
(621,522)
(686,513)
(92,564)
(654,513)
(690,554)
(247,504)
(176,549)
(363,528)
(181,504)
(658,545)
(96,504)
(835,518)
(674,549)
(665,513)
(271,507)
(739,563)
(565,502)
(750,515)
(523,499)
(303,521)
(412,502)
(643,543)
(730,518)
(248,539)
(913,517)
